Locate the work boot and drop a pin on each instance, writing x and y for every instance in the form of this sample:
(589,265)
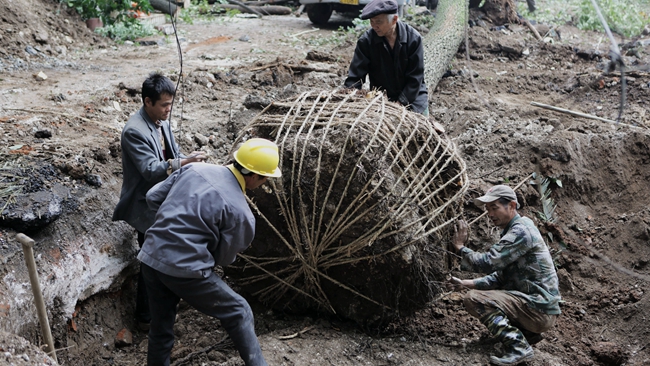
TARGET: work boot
(514,357)
(513,340)
(532,337)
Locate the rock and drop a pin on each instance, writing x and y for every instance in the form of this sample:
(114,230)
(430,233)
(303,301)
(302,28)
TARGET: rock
(31,50)
(151,41)
(94,180)
(511,46)
(123,338)
(41,36)
(320,56)
(132,90)
(201,140)
(18,351)
(609,353)
(43,134)
(40,76)
(61,50)
(254,101)
(245,38)
(32,211)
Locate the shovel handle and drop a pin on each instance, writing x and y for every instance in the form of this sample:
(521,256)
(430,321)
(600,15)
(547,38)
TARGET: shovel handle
(28,250)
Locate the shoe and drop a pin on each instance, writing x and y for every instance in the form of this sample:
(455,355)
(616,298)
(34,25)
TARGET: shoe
(143,326)
(513,358)
(531,337)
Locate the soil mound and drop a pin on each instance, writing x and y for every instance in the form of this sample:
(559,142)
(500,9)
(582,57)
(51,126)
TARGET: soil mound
(368,189)
(40,32)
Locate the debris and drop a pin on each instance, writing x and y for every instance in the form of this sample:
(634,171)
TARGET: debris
(94,180)
(40,76)
(294,335)
(31,50)
(255,101)
(116,105)
(123,338)
(584,115)
(43,134)
(201,140)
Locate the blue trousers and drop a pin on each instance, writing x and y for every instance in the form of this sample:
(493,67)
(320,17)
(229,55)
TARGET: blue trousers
(211,296)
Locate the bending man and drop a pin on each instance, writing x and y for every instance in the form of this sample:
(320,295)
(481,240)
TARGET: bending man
(519,298)
(392,56)
(203,220)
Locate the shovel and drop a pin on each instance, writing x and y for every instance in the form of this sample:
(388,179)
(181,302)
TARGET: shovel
(28,245)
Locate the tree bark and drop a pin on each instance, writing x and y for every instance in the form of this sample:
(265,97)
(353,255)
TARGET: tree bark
(264,10)
(443,40)
(164,6)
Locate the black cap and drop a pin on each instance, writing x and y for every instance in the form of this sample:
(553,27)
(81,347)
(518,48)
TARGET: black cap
(376,7)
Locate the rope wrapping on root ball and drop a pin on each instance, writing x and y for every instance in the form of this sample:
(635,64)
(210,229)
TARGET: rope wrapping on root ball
(355,225)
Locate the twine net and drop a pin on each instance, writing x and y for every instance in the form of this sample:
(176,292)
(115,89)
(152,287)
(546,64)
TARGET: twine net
(355,225)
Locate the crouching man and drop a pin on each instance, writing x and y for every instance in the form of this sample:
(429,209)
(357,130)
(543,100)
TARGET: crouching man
(203,220)
(519,298)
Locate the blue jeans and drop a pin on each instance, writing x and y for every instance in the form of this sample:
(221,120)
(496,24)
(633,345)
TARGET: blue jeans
(211,296)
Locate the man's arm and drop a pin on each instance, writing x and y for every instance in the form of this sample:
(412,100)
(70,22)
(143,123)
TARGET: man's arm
(359,65)
(158,193)
(144,157)
(414,72)
(235,234)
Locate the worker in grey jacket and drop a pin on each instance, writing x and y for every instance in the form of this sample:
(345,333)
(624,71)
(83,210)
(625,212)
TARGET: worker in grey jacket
(149,155)
(203,220)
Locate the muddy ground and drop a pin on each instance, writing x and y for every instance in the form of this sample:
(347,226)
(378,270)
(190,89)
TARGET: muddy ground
(234,65)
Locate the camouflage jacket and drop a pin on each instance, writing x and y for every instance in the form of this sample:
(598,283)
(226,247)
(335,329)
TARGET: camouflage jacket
(519,263)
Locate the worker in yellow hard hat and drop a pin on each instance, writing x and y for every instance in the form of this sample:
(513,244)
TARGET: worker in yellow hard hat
(203,220)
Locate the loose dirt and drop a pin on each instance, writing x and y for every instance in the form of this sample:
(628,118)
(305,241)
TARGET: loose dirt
(233,66)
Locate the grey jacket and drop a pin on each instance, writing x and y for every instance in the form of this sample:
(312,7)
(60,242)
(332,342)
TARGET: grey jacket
(143,166)
(203,219)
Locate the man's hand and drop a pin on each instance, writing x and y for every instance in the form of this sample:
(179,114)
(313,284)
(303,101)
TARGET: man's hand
(198,156)
(456,284)
(194,157)
(460,235)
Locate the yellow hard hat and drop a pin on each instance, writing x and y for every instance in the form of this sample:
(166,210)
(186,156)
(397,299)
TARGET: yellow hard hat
(259,156)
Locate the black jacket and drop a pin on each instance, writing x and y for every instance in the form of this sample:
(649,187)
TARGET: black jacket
(401,76)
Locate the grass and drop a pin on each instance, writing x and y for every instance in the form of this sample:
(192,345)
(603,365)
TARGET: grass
(126,31)
(624,17)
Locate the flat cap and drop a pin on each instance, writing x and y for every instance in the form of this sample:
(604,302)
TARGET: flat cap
(496,192)
(376,7)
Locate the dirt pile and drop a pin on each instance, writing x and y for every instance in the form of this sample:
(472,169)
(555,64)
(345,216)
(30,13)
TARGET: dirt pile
(37,33)
(361,232)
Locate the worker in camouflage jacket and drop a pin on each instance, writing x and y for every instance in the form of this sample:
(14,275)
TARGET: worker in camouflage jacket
(518,298)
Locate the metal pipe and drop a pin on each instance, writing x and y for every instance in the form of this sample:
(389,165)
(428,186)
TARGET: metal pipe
(28,250)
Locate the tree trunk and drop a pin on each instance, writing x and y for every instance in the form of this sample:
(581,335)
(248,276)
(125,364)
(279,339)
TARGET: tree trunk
(164,6)
(443,40)
(265,10)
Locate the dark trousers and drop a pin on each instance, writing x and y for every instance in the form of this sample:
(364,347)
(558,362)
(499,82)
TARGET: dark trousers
(211,296)
(141,299)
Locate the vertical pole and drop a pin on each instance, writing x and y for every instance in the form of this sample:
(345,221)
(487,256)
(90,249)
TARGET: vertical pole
(28,245)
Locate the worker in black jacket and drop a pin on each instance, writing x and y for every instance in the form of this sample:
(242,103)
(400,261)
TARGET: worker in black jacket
(392,55)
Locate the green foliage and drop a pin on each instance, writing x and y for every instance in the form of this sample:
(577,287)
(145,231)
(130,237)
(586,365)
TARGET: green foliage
(625,17)
(109,11)
(124,31)
(198,9)
(547,215)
